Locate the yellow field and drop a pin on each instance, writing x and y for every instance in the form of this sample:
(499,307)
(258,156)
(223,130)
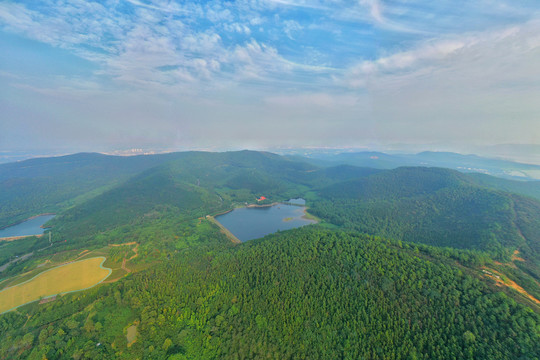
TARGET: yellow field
(75,276)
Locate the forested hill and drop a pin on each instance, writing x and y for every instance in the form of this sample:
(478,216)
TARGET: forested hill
(183,186)
(196,184)
(431,205)
(526,188)
(42,185)
(434,206)
(303,294)
(192,185)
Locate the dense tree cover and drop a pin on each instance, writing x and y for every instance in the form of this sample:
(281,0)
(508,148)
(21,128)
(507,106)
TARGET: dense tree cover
(433,206)
(36,186)
(528,221)
(443,208)
(43,185)
(53,184)
(182,186)
(524,188)
(306,293)
(138,198)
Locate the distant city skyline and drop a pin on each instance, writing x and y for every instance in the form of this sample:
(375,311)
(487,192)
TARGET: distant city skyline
(264,74)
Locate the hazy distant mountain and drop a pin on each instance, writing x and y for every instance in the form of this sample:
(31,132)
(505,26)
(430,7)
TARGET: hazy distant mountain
(466,163)
(526,153)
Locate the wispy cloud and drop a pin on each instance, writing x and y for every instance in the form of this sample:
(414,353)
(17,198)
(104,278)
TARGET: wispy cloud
(355,61)
(375,9)
(457,53)
(162,6)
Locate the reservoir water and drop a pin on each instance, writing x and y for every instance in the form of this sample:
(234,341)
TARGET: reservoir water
(298,201)
(27,228)
(255,222)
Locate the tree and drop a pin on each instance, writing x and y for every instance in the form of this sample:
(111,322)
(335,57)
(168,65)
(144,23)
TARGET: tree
(167,344)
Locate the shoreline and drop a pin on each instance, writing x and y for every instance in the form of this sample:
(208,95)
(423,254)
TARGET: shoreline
(264,205)
(258,206)
(13,238)
(310,217)
(30,218)
(305,216)
(222,213)
(224,230)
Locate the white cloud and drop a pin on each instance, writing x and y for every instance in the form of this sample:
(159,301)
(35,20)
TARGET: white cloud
(453,54)
(290,27)
(238,28)
(162,6)
(209,60)
(375,9)
(256,21)
(254,60)
(217,14)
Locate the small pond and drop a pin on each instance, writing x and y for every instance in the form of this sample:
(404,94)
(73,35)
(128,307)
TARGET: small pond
(255,222)
(27,228)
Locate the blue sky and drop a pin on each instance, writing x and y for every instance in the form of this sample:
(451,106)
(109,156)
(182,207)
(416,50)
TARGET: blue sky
(158,74)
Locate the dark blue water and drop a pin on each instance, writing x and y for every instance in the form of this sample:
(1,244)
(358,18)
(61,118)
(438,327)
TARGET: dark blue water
(27,228)
(256,222)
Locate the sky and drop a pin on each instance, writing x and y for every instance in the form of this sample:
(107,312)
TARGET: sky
(115,75)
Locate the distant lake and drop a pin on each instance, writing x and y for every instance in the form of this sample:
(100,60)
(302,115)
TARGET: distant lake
(256,222)
(298,201)
(27,228)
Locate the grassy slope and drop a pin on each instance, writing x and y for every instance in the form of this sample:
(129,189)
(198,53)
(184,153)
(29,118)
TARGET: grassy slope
(71,277)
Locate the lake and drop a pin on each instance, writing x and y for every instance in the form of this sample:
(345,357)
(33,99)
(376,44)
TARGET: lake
(298,201)
(27,228)
(255,222)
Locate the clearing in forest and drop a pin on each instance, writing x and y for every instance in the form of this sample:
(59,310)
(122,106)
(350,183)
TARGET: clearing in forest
(499,281)
(132,333)
(62,279)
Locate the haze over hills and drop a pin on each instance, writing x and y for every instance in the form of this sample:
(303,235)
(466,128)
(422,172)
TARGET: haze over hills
(467,163)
